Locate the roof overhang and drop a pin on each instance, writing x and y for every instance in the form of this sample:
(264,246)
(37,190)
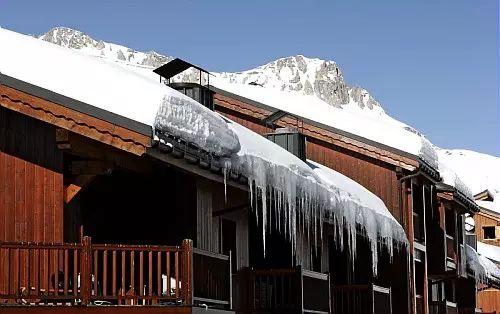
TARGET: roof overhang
(176,66)
(274,114)
(458,197)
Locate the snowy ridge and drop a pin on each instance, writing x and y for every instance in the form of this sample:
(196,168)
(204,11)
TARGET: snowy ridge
(73,39)
(477,171)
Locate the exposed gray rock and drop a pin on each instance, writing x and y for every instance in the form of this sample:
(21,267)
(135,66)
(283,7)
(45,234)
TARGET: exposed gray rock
(299,74)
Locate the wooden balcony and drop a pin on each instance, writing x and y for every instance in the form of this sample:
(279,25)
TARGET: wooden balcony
(361,299)
(443,307)
(109,274)
(292,290)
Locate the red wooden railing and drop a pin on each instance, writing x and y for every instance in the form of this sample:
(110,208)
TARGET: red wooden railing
(85,273)
(35,272)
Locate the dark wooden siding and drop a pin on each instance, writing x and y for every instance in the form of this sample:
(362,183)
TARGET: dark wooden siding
(31,180)
(376,176)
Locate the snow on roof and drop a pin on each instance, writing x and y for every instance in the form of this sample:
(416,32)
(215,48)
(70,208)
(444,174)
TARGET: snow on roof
(490,251)
(379,128)
(321,192)
(483,268)
(491,206)
(478,171)
(137,95)
(109,86)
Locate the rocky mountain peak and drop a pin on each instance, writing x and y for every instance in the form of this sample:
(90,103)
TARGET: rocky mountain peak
(70,38)
(307,76)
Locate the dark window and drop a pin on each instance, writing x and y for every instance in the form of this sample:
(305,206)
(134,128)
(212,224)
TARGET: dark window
(418,212)
(489,232)
(229,241)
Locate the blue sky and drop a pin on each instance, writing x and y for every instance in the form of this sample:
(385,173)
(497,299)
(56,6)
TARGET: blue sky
(431,63)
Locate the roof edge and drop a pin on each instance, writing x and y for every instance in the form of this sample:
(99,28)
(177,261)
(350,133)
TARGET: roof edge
(320,125)
(76,105)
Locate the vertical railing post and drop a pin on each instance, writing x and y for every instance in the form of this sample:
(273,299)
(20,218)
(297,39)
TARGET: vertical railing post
(85,277)
(230,282)
(301,288)
(187,271)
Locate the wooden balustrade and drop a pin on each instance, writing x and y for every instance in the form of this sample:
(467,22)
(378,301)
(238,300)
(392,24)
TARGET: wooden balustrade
(213,278)
(292,290)
(137,274)
(34,273)
(442,307)
(361,299)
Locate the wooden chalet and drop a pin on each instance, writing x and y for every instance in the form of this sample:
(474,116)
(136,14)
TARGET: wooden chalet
(486,229)
(431,213)
(101,213)
(98,215)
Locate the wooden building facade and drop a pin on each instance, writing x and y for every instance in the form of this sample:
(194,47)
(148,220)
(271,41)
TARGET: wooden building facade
(95,212)
(409,188)
(487,230)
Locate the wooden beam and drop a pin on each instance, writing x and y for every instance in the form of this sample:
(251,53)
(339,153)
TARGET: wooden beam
(230,210)
(91,167)
(74,121)
(80,182)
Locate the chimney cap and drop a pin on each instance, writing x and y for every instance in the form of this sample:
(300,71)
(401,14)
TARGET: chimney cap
(176,66)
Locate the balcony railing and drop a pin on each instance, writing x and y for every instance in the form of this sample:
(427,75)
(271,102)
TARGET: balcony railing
(86,273)
(442,307)
(361,299)
(291,290)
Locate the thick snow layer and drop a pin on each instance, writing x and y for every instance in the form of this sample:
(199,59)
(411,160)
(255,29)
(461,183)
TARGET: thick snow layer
(112,87)
(181,116)
(491,206)
(304,193)
(381,128)
(490,251)
(478,171)
(483,268)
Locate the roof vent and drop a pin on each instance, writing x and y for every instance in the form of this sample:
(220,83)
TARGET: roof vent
(195,90)
(291,140)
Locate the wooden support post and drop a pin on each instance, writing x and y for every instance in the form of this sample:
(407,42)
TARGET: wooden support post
(187,271)
(85,271)
(71,190)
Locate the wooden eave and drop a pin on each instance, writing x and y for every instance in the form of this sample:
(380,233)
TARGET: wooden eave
(489,214)
(484,196)
(352,143)
(451,195)
(138,143)
(74,121)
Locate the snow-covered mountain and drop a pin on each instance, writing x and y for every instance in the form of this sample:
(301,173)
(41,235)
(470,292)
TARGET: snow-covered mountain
(307,76)
(303,76)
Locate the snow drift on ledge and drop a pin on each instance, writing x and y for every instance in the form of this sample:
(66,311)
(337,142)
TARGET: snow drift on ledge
(483,269)
(298,190)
